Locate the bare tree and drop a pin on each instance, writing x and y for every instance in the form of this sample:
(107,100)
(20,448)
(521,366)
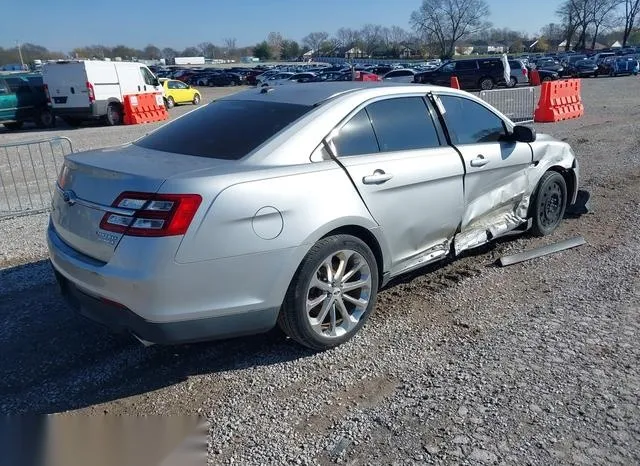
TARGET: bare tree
(448,21)
(601,15)
(230,45)
(371,37)
(347,37)
(275,41)
(207,49)
(314,40)
(553,32)
(569,22)
(631,12)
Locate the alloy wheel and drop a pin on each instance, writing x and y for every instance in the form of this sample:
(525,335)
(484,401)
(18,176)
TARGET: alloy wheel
(338,294)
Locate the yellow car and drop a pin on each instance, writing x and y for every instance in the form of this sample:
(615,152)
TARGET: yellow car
(177,92)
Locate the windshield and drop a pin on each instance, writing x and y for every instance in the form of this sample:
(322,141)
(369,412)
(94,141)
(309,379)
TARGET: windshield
(224,129)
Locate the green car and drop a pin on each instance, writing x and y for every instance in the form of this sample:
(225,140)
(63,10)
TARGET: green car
(23,98)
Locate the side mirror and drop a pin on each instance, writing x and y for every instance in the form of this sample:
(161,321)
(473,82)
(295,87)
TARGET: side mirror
(524,134)
(156,82)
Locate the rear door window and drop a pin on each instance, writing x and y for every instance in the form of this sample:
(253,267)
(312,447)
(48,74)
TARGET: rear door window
(403,123)
(224,129)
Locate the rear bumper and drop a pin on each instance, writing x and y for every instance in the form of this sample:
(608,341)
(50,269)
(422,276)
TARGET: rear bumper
(121,320)
(143,291)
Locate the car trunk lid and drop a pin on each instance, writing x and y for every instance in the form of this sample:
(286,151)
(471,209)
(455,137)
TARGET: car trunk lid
(90,182)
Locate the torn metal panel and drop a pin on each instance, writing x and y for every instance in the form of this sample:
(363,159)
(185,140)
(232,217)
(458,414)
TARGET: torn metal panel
(505,208)
(542,251)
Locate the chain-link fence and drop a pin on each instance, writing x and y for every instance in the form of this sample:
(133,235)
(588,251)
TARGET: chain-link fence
(28,172)
(518,104)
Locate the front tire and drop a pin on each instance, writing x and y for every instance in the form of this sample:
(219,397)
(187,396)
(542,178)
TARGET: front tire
(486,84)
(169,102)
(513,82)
(332,294)
(549,203)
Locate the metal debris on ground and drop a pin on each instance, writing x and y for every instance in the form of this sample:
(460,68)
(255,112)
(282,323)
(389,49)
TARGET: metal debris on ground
(542,251)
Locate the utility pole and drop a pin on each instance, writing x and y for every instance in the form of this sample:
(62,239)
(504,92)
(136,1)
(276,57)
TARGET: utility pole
(20,53)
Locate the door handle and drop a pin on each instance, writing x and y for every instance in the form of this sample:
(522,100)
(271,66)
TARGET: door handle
(378,177)
(479,161)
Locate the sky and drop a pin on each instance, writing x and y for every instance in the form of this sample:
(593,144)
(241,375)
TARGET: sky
(61,25)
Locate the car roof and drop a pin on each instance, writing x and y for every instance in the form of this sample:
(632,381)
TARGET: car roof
(311,94)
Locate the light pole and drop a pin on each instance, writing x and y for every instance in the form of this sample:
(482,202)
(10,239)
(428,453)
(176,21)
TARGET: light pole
(20,53)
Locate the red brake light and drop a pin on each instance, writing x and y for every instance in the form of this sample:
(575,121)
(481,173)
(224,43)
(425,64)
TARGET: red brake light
(524,71)
(152,215)
(92,95)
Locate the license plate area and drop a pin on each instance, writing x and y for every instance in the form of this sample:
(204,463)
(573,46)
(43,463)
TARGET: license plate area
(60,100)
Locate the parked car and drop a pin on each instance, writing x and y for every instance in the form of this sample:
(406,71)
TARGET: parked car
(276,79)
(23,99)
(177,92)
(476,73)
(624,65)
(403,75)
(218,223)
(301,78)
(549,64)
(582,69)
(92,90)
(548,75)
(519,73)
(605,65)
(224,79)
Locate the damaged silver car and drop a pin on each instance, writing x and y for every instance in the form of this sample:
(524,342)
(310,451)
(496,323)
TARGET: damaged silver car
(293,206)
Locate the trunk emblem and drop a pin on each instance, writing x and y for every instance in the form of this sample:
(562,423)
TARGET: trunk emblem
(69,197)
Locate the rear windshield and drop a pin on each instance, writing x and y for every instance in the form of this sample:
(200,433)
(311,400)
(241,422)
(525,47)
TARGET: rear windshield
(226,129)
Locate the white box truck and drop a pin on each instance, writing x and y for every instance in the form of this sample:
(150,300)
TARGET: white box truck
(80,90)
(189,61)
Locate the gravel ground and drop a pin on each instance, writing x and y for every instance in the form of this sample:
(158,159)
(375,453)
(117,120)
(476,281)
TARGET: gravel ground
(464,363)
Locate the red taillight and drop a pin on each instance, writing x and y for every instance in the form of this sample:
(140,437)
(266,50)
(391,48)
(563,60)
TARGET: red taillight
(46,91)
(92,94)
(524,71)
(152,214)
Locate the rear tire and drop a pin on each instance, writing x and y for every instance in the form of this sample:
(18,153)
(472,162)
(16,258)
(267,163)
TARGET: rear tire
(549,203)
(45,119)
(15,126)
(332,293)
(114,115)
(196,99)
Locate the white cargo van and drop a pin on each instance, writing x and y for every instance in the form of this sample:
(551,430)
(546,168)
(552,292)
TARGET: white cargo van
(87,89)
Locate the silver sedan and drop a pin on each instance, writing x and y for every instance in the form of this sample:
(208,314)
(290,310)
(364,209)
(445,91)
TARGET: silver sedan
(294,206)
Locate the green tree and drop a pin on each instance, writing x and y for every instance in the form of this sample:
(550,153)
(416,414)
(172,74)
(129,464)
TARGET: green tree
(290,50)
(262,51)
(516,47)
(541,46)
